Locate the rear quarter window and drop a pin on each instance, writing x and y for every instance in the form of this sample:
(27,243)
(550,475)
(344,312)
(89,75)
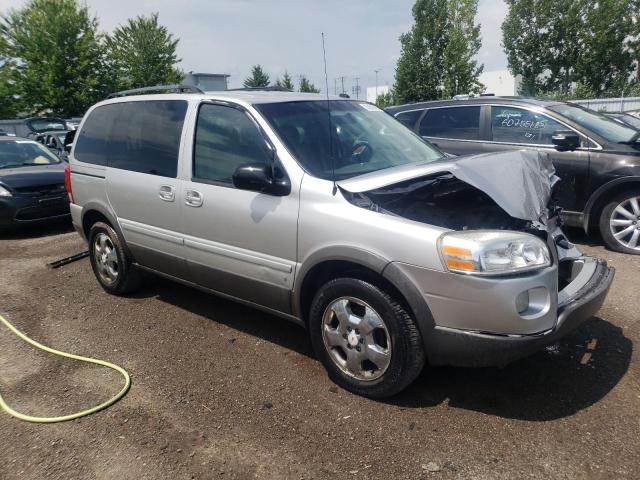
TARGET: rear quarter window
(410,118)
(137,136)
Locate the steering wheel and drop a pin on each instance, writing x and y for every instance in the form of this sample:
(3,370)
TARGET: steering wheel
(361,152)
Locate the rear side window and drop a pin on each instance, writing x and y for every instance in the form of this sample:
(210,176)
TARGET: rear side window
(409,119)
(137,136)
(225,139)
(517,125)
(91,142)
(452,122)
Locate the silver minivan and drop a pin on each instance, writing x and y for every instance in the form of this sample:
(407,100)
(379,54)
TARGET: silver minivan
(331,213)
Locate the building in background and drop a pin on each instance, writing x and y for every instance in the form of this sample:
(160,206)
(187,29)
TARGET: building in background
(501,83)
(208,82)
(374,92)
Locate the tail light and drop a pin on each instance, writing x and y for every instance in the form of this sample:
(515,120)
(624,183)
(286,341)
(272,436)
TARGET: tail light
(67,182)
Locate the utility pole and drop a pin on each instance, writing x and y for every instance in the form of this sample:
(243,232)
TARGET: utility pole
(342,83)
(377,70)
(356,89)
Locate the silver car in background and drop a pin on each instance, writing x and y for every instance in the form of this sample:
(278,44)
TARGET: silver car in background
(334,215)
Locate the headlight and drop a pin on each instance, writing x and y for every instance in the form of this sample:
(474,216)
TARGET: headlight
(492,252)
(4,192)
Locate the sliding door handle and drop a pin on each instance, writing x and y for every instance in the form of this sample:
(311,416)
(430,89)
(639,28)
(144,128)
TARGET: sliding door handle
(193,198)
(167,193)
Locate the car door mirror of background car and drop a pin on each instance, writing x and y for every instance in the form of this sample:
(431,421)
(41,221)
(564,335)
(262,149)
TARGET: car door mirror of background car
(565,140)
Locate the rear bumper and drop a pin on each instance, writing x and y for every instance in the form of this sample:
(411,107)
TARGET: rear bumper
(26,210)
(578,301)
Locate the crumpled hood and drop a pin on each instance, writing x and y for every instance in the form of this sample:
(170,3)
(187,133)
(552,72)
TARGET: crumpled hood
(519,181)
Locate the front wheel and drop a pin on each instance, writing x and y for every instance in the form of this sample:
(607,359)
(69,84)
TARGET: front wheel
(367,341)
(620,223)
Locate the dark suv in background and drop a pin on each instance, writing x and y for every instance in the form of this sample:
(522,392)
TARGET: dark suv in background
(597,158)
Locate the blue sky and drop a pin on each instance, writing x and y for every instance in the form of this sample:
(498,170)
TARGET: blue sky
(228,36)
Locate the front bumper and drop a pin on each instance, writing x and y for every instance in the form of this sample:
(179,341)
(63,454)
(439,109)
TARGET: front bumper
(25,210)
(578,301)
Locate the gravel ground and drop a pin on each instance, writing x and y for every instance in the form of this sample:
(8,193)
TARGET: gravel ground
(224,391)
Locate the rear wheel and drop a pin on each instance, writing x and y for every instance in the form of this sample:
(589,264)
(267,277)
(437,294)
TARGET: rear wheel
(620,223)
(111,265)
(365,338)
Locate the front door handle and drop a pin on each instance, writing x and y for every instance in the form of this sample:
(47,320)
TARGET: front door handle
(167,193)
(193,198)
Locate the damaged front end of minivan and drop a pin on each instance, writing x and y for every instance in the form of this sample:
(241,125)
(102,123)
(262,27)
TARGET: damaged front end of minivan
(502,294)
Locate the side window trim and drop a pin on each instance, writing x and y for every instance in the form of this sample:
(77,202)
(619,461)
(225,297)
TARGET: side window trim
(241,108)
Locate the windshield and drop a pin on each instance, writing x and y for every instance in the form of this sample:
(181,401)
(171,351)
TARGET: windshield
(604,126)
(363,137)
(44,124)
(23,153)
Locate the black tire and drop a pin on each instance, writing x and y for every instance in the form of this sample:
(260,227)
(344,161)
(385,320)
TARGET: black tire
(128,278)
(605,217)
(407,355)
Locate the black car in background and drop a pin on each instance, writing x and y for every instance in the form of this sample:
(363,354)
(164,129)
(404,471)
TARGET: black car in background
(597,158)
(30,127)
(31,184)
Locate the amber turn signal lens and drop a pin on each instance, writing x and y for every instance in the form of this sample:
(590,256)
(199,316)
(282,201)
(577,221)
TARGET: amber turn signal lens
(460,264)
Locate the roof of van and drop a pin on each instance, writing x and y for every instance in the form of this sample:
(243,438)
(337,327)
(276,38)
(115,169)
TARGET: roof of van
(248,96)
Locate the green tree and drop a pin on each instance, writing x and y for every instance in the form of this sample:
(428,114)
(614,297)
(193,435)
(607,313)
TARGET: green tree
(461,71)
(524,43)
(386,99)
(606,61)
(286,82)
(437,54)
(142,53)
(55,55)
(258,78)
(567,48)
(307,86)
(9,100)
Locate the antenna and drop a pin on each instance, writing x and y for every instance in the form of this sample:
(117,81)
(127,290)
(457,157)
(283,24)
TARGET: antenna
(326,82)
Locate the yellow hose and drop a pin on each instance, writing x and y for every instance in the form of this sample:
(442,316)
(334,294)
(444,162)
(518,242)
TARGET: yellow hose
(64,418)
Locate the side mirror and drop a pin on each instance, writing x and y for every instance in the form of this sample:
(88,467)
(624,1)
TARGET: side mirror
(68,140)
(565,140)
(258,177)
(253,176)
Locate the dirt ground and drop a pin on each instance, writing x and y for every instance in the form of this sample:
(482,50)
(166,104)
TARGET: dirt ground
(224,391)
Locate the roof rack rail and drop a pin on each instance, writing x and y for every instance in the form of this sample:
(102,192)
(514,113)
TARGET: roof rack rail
(157,88)
(272,88)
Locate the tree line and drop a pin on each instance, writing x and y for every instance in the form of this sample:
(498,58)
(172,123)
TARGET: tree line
(54,59)
(562,48)
(260,79)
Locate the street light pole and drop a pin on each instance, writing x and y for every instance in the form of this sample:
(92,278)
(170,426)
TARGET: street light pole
(376,84)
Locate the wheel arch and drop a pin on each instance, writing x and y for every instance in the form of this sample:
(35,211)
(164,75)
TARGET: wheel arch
(602,195)
(330,263)
(96,212)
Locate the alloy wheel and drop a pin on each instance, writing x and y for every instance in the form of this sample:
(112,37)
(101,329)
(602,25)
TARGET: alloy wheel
(106,258)
(356,338)
(625,223)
